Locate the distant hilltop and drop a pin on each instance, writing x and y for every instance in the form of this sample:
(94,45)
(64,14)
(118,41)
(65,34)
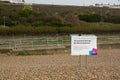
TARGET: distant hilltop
(108,5)
(13,1)
(96,5)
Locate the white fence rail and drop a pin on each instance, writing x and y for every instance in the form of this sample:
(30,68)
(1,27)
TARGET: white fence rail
(33,42)
(49,41)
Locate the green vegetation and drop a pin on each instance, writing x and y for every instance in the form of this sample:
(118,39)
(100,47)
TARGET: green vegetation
(27,11)
(37,20)
(23,53)
(90,17)
(2,51)
(92,28)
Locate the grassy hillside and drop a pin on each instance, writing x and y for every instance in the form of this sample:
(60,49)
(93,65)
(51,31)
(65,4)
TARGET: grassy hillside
(51,19)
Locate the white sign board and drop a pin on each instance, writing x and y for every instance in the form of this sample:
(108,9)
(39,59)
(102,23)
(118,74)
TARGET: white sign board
(83,45)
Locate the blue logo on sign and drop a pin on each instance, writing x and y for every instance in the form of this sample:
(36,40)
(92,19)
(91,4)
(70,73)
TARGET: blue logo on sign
(94,51)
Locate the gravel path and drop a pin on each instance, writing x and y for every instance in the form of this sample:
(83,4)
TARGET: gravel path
(104,66)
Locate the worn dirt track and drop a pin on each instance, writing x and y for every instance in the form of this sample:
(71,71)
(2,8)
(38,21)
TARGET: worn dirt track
(104,66)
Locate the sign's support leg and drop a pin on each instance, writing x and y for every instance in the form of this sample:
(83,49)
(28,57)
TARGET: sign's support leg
(80,57)
(86,62)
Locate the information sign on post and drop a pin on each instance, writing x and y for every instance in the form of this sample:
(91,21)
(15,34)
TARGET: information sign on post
(83,45)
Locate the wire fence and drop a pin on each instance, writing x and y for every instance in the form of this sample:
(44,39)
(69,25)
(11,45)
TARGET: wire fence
(19,43)
(49,41)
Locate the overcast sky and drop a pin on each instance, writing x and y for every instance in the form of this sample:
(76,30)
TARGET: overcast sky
(73,2)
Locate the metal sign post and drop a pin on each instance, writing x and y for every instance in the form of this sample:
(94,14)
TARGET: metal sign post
(86,62)
(80,59)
